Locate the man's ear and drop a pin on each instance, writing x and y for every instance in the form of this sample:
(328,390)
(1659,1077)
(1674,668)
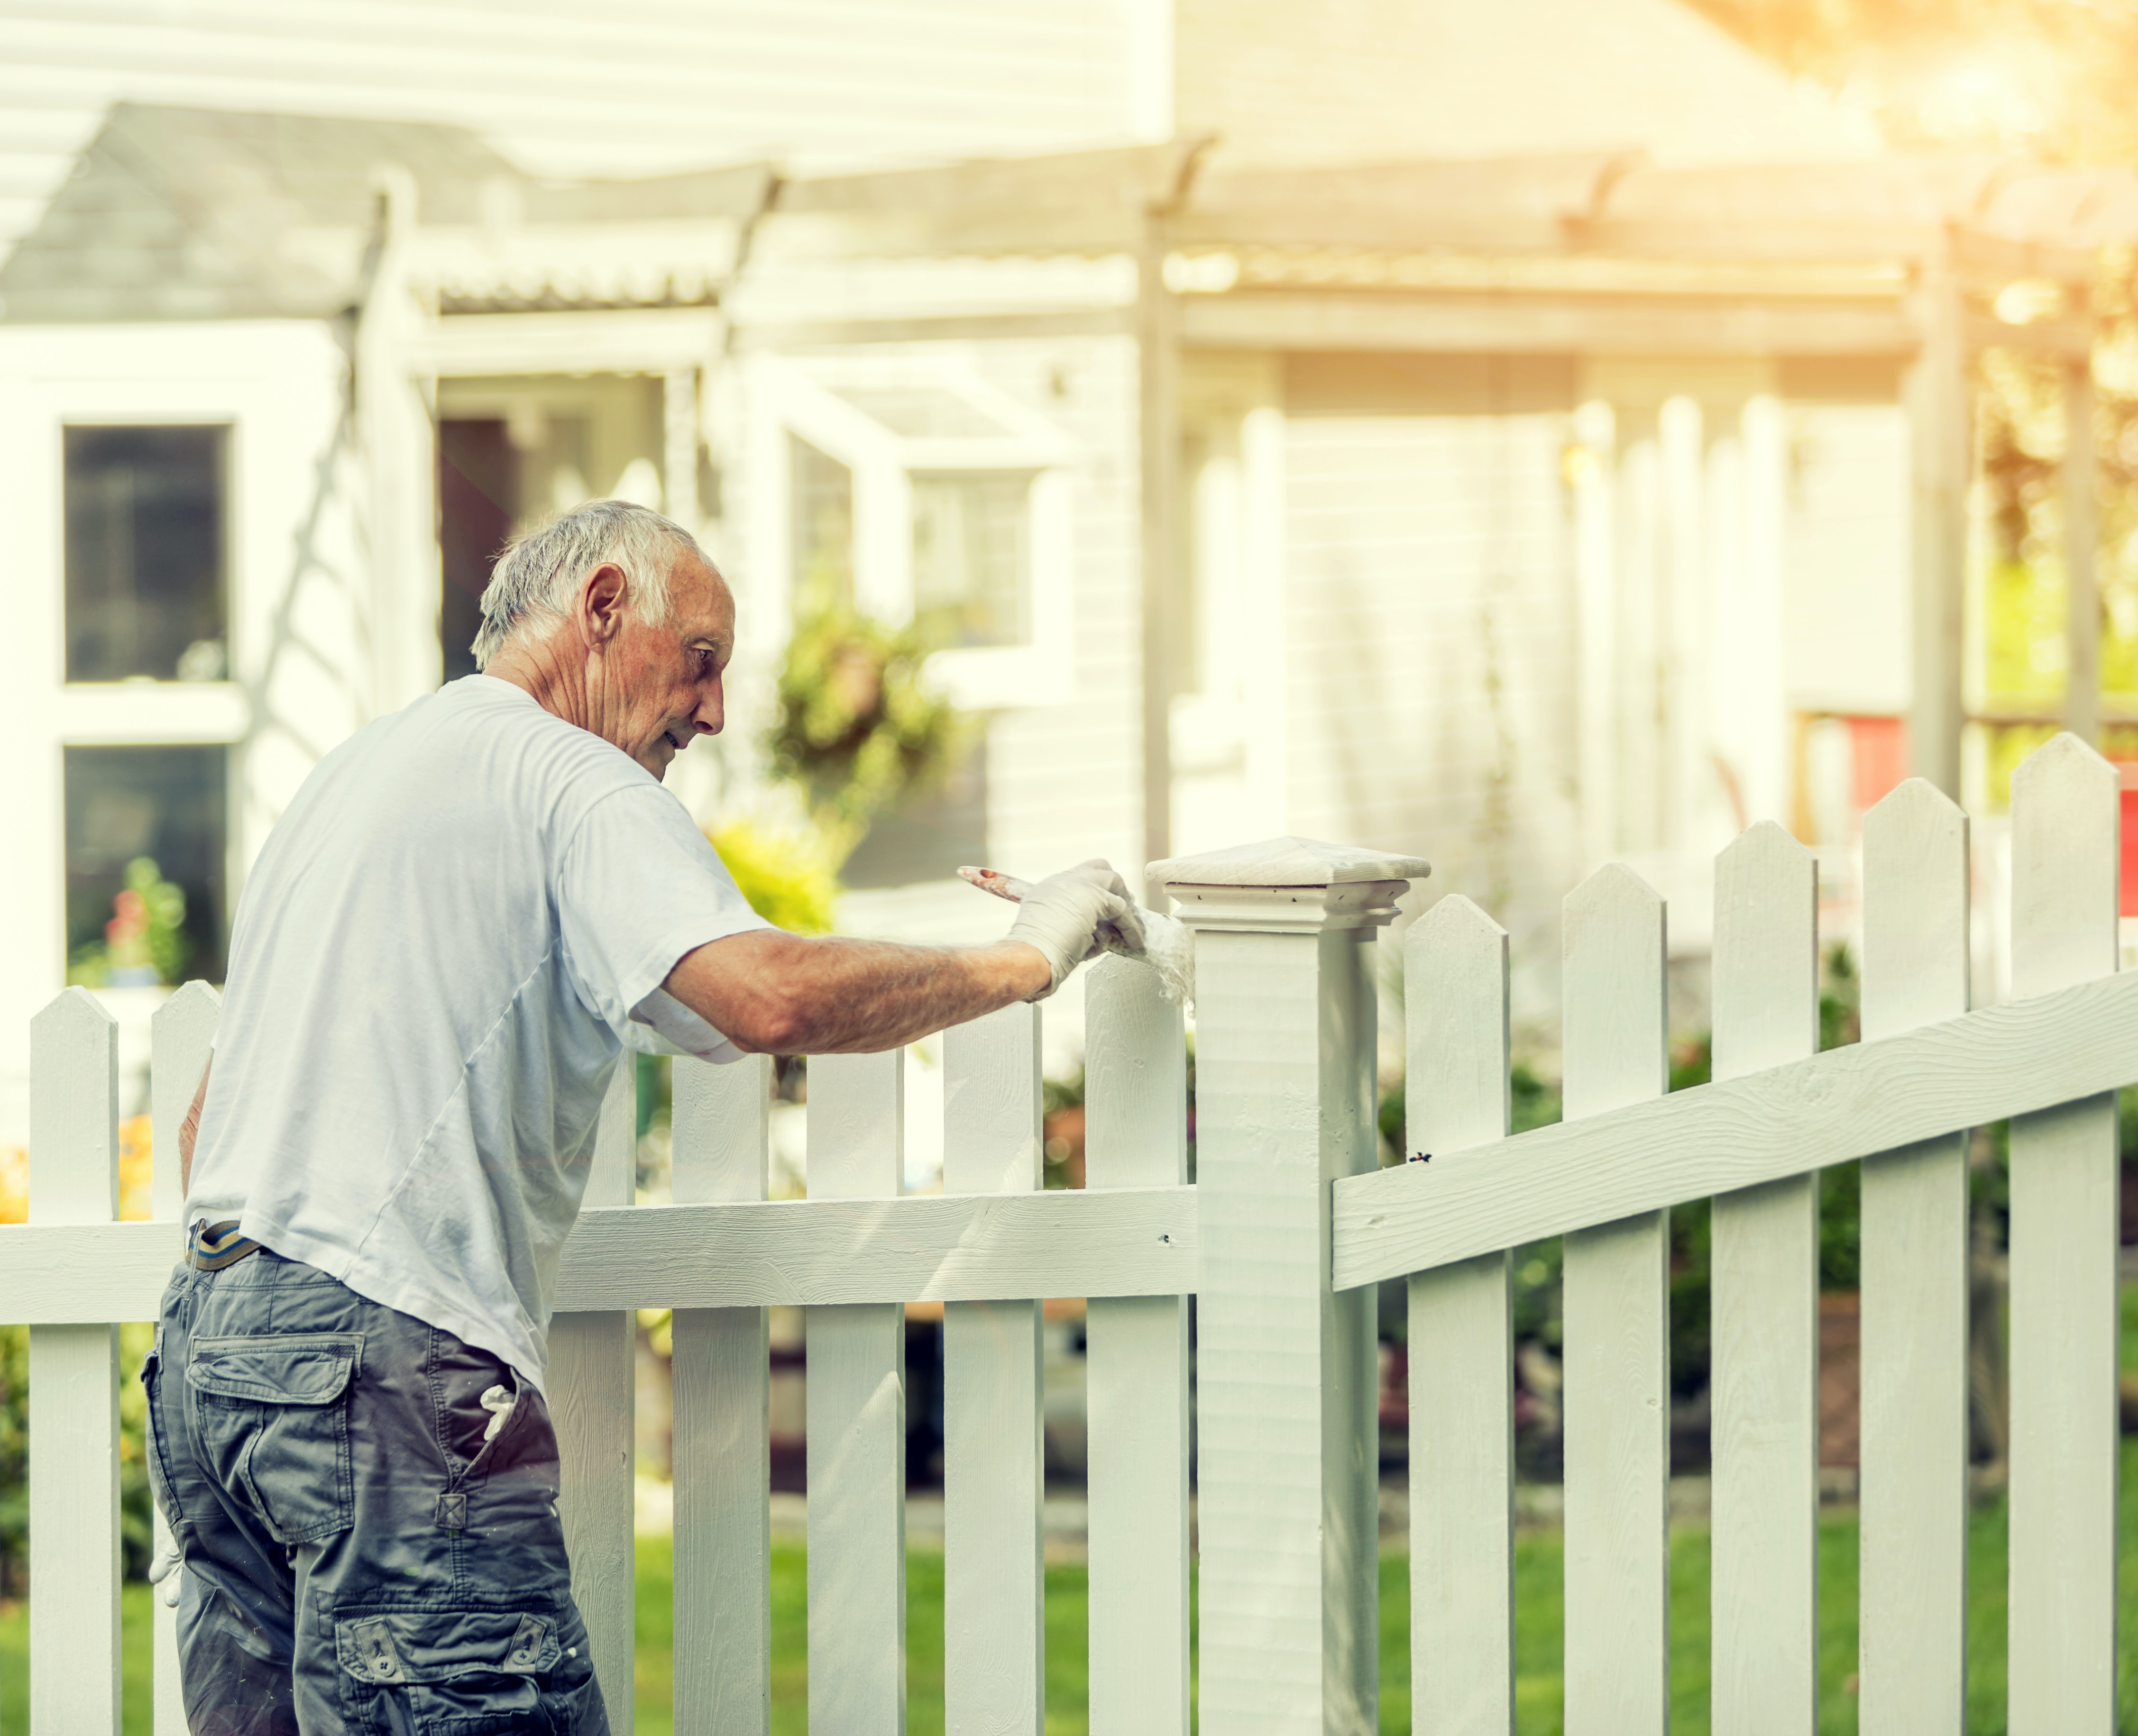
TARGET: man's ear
(602,600)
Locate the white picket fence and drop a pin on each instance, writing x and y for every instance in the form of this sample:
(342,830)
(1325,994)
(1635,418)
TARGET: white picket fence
(1290,1225)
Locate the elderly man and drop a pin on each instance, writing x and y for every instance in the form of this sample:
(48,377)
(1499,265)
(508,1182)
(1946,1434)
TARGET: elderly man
(471,910)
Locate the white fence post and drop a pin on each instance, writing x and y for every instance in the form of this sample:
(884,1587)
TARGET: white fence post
(1616,1309)
(592,1381)
(1285,1077)
(1136,1370)
(857,1421)
(1912,1625)
(723,1591)
(1461,1339)
(2066,814)
(74,1384)
(1766,1310)
(994,1626)
(180,1033)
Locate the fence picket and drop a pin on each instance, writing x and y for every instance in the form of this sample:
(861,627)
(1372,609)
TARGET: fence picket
(1617,1304)
(593,1386)
(1461,1348)
(180,1033)
(2065,852)
(74,1384)
(1766,1310)
(1912,1625)
(856,1421)
(1136,1370)
(723,1594)
(994,1629)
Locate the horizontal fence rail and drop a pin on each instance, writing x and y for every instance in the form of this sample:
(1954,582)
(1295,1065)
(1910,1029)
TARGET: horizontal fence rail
(1848,1103)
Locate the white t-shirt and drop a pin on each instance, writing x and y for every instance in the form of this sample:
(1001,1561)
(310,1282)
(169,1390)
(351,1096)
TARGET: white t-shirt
(463,919)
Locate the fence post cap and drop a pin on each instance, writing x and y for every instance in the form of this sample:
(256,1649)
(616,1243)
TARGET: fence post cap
(1295,884)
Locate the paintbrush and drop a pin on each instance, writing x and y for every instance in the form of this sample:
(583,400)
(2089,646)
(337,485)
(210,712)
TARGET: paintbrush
(1168,947)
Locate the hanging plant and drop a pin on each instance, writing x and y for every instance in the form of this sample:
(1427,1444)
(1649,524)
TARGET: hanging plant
(857,727)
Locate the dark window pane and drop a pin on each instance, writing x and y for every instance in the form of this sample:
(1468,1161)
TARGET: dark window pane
(927,837)
(164,806)
(145,554)
(970,558)
(821,496)
(478,499)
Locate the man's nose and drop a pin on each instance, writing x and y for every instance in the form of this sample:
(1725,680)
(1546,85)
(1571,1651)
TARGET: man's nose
(711,713)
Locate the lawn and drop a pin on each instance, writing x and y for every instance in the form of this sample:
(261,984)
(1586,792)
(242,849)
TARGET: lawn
(1538,1689)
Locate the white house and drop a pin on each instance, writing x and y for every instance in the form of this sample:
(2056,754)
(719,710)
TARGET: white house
(1478,432)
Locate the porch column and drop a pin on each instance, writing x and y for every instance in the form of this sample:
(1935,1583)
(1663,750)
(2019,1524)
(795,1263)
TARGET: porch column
(1287,1447)
(1940,463)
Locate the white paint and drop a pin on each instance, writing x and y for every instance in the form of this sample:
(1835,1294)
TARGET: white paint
(1765,1303)
(1847,1102)
(73,1385)
(592,1392)
(994,1592)
(723,1517)
(1136,1380)
(2065,817)
(1913,1597)
(1461,1385)
(856,1424)
(1617,1305)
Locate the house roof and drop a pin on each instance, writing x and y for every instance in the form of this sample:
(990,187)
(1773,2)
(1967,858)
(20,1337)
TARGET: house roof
(177,214)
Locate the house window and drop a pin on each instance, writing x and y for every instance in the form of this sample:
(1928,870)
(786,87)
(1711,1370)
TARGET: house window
(971,557)
(821,538)
(146,553)
(127,806)
(478,501)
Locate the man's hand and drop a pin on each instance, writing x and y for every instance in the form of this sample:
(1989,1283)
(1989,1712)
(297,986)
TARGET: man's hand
(1071,915)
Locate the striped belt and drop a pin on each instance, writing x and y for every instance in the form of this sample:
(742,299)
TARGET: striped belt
(211,1247)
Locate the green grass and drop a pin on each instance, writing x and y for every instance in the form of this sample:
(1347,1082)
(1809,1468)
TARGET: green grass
(1539,1691)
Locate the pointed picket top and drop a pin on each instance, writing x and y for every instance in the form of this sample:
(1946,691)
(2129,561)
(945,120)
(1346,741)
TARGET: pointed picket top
(181,1034)
(1286,862)
(1916,951)
(1455,1020)
(74,1111)
(2067,854)
(1765,994)
(1616,1024)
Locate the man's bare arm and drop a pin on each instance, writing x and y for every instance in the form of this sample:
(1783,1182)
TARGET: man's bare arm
(189,1130)
(774,993)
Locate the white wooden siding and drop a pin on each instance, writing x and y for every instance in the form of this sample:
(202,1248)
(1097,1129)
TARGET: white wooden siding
(564,88)
(1427,649)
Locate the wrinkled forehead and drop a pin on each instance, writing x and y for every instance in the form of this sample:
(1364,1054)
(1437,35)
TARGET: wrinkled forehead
(700,599)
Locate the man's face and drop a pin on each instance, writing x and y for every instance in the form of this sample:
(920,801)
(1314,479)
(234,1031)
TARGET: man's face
(660,685)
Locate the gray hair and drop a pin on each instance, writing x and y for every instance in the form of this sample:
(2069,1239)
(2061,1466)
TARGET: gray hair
(535,578)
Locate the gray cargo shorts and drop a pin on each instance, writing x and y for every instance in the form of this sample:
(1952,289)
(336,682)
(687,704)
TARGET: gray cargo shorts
(363,1551)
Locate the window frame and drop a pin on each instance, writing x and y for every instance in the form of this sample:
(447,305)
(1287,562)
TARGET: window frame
(802,399)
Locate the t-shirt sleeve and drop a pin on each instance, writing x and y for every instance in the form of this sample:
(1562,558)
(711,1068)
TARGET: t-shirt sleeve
(636,888)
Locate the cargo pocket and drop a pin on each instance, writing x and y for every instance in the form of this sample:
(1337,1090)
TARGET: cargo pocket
(270,1414)
(451,1672)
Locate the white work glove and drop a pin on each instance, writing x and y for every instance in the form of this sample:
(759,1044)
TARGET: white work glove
(1074,915)
(165,1572)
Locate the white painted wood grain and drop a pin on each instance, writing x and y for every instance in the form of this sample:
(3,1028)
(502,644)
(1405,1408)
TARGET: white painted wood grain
(1617,1306)
(994,1629)
(1285,1377)
(723,1595)
(856,1421)
(593,1390)
(796,1253)
(1461,1345)
(74,1383)
(1765,1589)
(2066,814)
(180,1034)
(1913,1577)
(1136,1370)
(1846,1102)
